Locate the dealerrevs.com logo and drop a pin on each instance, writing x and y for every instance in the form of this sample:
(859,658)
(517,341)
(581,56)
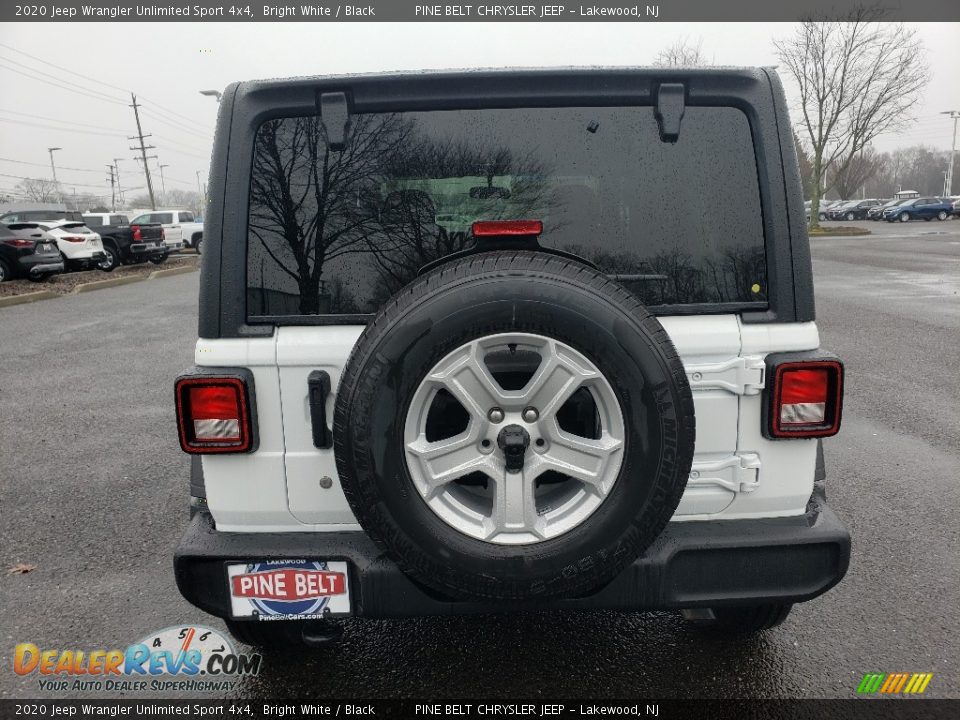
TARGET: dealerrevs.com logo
(182,658)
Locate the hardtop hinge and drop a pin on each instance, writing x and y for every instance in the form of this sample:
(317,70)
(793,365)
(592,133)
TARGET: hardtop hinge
(738,473)
(741,375)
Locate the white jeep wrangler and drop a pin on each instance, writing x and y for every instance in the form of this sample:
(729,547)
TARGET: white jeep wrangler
(479,341)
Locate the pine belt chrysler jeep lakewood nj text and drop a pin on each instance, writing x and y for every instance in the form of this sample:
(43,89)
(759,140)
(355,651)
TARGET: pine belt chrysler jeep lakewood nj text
(483,341)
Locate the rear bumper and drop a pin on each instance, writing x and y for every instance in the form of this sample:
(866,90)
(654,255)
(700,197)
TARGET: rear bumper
(40,264)
(691,564)
(147,250)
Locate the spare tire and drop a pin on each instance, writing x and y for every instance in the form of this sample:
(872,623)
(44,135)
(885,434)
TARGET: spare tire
(513,425)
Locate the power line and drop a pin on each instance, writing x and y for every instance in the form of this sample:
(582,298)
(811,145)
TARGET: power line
(59,167)
(65,122)
(71,184)
(94,80)
(58,85)
(176,125)
(63,129)
(58,67)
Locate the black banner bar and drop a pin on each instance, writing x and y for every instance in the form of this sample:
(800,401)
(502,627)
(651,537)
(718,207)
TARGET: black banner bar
(427,11)
(872,709)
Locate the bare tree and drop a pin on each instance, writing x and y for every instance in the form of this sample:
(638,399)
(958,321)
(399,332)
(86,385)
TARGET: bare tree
(806,167)
(857,78)
(310,204)
(683,53)
(856,173)
(39,190)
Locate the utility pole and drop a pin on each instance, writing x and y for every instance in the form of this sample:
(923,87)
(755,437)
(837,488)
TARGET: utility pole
(116,165)
(163,183)
(53,169)
(948,186)
(200,192)
(143,150)
(113,195)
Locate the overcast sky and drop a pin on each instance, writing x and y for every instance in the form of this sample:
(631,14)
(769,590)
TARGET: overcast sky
(168,63)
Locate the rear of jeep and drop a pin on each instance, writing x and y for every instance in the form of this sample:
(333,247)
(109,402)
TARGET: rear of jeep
(488,341)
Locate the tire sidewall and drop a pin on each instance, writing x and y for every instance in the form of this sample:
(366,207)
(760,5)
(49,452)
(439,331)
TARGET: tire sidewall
(656,455)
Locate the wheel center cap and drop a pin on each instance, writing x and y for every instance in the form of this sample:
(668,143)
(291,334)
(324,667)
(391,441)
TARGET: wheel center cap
(514,441)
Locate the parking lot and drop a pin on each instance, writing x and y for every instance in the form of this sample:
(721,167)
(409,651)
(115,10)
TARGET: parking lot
(94,494)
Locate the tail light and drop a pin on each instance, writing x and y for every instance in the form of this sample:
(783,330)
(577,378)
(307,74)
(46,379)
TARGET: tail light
(214,414)
(74,238)
(489,228)
(137,235)
(19,243)
(805,397)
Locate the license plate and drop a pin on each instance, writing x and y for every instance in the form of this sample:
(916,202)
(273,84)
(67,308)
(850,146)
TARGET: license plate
(44,248)
(289,589)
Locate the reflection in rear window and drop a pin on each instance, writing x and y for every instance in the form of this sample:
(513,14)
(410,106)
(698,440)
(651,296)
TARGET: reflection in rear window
(339,232)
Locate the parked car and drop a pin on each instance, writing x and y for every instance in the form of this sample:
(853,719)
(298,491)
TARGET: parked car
(956,206)
(876,212)
(497,424)
(825,206)
(124,243)
(179,227)
(80,247)
(853,210)
(919,209)
(27,251)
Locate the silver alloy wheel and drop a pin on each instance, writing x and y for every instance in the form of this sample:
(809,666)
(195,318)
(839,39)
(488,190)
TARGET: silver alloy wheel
(515,507)
(942,216)
(109,261)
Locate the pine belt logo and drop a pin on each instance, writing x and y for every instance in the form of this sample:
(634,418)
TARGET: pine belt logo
(894,683)
(287,589)
(176,658)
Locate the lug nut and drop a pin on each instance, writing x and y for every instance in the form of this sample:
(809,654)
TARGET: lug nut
(496,415)
(530,414)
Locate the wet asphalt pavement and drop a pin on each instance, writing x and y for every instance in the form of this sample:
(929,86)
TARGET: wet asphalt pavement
(93,491)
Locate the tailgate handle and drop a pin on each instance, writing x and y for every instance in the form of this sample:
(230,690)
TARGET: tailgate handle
(318,383)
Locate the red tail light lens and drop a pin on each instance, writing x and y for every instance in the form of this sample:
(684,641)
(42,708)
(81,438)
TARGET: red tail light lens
(73,238)
(19,243)
(137,235)
(490,228)
(213,415)
(807,399)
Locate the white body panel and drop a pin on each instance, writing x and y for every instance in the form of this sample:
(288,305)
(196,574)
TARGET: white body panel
(91,245)
(737,473)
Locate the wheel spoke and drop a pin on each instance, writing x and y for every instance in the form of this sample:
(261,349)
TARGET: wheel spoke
(515,505)
(466,377)
(555,381)
(443,461)
(582,458)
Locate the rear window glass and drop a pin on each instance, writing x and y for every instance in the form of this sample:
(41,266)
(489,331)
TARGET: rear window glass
(119,220)
(93,220)
(339,232)
(76,228)
(186,217)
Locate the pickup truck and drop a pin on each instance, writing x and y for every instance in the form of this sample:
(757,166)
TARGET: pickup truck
(179,226)
(125,243)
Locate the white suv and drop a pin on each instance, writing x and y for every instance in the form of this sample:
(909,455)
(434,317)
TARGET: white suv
(449,371)
(80,247)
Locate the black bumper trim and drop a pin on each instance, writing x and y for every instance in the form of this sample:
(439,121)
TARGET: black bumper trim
(691,564)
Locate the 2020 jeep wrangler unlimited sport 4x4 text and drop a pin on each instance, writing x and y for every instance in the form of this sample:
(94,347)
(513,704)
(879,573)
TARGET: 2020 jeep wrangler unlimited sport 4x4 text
(501,340)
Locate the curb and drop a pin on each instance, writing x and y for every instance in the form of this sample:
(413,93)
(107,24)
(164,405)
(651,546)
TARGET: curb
(173,271)
(110,282)
(26,298)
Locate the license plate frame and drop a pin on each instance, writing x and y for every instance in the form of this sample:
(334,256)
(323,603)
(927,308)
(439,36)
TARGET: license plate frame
(289,589)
